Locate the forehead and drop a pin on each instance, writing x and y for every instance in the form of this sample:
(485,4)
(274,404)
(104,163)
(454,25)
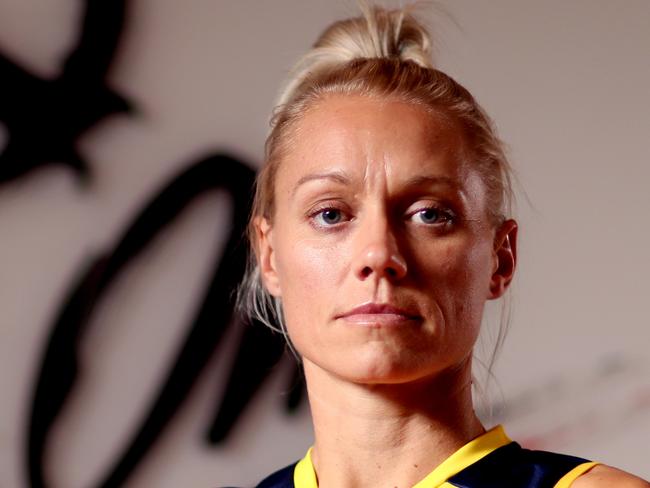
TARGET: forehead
(370,139)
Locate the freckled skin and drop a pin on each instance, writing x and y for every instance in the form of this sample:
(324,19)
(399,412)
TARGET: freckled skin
(381,251)
(354,224)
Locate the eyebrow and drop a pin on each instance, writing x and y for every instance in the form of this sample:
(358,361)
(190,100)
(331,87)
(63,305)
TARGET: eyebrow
(416,181)
(335,176)
(434,180)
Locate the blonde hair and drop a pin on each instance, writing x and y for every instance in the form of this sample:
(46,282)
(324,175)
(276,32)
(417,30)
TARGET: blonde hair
(383,54)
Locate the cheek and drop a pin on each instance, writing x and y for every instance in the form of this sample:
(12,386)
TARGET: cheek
(309,274)
(458,276)
(456,264)
(474,286)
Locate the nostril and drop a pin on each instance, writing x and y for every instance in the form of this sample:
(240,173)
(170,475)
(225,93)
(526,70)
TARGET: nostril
(388,271)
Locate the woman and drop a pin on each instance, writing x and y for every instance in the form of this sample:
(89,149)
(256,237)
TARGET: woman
(380,228)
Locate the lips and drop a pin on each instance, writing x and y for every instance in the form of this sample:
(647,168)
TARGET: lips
(379,314)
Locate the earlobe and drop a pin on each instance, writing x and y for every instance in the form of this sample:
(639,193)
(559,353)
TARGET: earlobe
(505,258)
(266,256)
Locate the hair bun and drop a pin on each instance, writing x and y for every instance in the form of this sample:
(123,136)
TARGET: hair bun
(378,33)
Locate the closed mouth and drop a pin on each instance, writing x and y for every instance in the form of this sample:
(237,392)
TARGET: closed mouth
(381,312)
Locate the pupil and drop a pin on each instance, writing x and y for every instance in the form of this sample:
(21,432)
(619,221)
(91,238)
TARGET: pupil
(331,216)
(430,214)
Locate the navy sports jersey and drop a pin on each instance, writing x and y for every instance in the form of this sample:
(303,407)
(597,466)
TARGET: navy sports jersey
(491,460)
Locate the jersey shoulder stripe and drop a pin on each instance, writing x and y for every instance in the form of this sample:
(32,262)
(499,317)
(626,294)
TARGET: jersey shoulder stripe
(511,466)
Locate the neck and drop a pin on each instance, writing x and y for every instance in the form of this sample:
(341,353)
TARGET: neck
(388,434)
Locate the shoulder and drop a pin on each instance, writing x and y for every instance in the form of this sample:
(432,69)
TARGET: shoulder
(601,476)
(513,466)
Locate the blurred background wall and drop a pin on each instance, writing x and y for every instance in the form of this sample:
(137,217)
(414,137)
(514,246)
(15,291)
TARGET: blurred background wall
(567,84)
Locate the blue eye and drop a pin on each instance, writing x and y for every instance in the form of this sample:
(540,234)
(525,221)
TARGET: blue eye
(433,216)
(330,216)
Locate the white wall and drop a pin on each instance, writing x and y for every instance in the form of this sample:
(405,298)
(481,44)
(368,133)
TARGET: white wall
(566,82)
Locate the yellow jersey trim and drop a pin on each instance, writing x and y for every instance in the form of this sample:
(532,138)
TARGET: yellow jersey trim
(470,453)
(571,476)
(304,475)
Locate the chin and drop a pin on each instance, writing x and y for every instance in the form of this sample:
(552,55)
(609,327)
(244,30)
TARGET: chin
(379,368)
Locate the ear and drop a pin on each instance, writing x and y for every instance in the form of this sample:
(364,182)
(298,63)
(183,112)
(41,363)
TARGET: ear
(505,258)
(266,256)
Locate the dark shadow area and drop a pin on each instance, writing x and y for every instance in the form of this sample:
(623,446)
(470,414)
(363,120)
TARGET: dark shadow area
(45,117)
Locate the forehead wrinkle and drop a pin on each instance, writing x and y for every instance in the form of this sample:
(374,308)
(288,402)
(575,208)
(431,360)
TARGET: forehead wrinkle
(382,160)
(376,170)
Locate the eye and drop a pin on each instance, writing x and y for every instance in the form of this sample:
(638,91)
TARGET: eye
(432,216)
(329,216)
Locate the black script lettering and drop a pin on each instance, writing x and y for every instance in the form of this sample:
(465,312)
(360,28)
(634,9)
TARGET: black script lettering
(258,351)
(43,117)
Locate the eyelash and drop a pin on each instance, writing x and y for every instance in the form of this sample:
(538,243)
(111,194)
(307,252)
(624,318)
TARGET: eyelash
(318,213)
(445,216)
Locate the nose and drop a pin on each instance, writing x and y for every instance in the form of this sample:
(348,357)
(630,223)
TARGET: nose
(378,253)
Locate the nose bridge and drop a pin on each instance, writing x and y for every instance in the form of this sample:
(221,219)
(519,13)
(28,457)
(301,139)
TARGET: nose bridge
(378,250)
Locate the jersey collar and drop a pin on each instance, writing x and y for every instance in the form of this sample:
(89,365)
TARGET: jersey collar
(304,475)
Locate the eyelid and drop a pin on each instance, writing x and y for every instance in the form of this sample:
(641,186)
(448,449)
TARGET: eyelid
(321,207)
(448,215)
(326,205)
